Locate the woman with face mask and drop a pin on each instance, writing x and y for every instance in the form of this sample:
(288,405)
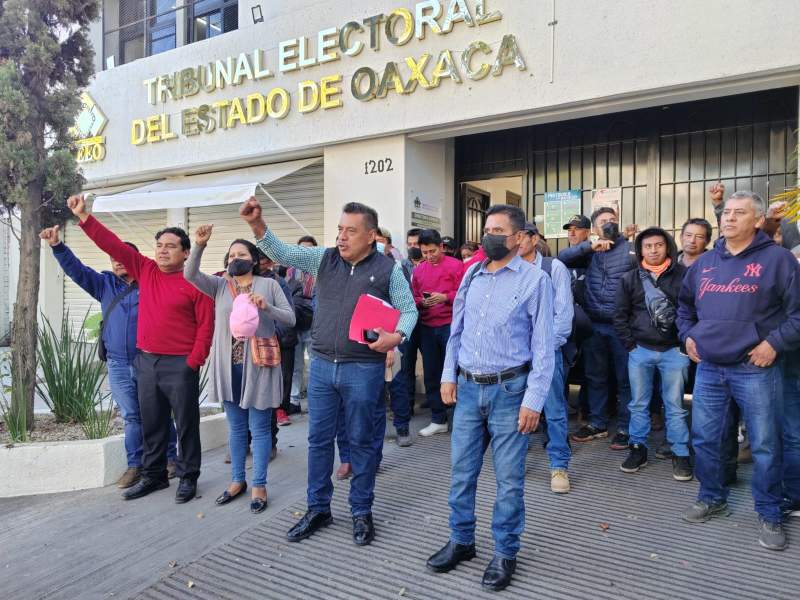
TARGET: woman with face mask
(245,369)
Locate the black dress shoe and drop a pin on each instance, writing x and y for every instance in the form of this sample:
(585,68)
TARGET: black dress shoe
(226,496)
(363,530)
(258,505)
(144,486)
(498,574)
(187,489)
(308,525)
(448,557)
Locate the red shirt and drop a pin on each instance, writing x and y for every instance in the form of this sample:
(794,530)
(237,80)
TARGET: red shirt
(479,256)
(174,317)
(444,278)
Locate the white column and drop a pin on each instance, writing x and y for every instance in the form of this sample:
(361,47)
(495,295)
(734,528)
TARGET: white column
(406,181)
(177,217)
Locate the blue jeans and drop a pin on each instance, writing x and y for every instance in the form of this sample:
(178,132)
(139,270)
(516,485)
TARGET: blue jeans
(240,421)
(602,345)
(433,343)
(757,393)
(380,433)
(122,381)
(358,386)
(492,409)
(673,366)
(791,436)
(555,412)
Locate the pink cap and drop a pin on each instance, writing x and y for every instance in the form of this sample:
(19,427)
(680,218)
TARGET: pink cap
(244,318)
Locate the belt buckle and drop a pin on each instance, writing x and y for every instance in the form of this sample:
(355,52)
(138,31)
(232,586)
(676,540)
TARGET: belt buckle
(489,379)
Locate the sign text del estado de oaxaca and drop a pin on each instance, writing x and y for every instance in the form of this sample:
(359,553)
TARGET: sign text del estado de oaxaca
(398,27)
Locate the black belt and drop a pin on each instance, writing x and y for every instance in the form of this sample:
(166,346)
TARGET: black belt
(494,378)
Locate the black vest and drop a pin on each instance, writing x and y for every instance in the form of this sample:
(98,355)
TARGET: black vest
(339,286)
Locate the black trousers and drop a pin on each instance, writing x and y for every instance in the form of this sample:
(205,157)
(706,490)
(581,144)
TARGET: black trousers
(168,386)
(287,371)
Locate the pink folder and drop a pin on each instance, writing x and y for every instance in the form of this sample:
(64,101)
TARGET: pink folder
(371,313)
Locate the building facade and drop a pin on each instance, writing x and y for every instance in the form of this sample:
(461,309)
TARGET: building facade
(430,111)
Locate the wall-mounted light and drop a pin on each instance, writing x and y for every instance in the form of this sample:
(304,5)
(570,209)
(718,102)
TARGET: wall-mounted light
(258,16)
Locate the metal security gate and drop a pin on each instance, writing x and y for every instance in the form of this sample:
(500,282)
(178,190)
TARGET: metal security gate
(663,158)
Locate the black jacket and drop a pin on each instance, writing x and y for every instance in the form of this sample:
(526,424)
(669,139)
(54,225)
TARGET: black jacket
(631,319)
(603,274)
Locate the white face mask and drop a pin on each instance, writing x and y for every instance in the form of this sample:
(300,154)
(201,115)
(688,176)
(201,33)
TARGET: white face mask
(381,247)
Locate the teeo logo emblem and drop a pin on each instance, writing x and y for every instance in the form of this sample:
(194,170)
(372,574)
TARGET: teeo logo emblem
(89,124)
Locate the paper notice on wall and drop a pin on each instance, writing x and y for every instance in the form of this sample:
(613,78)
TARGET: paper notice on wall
(560,207)
(611,197)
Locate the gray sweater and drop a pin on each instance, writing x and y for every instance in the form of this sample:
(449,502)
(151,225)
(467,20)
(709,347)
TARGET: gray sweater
(262,387)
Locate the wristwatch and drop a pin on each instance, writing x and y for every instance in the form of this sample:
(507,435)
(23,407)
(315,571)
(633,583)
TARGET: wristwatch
(403,337)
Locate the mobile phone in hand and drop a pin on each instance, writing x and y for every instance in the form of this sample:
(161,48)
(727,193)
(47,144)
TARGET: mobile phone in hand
(370,336)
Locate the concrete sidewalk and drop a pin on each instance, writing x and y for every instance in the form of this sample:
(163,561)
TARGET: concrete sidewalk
(615,536)
(91,544)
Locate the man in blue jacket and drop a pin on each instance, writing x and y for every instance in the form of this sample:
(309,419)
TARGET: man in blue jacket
(609,258)
(739,311)
(119,339)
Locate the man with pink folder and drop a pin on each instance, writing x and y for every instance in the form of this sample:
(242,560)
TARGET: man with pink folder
(343,372)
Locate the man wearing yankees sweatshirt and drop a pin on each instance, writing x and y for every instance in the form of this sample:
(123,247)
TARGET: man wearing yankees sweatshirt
(739,311)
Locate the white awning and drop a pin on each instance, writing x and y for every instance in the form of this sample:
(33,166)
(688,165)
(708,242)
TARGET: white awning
(208,189)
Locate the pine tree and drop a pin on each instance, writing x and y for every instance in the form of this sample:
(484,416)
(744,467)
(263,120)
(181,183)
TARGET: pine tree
(45,60)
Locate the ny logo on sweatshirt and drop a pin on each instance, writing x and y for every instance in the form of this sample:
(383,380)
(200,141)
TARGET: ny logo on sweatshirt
(753,270)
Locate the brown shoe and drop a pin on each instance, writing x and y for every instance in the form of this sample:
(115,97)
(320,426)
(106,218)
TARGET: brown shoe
(344,472)
(172,470)
(129,478)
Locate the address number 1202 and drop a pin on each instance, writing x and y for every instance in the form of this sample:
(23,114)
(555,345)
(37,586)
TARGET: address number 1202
(383,165)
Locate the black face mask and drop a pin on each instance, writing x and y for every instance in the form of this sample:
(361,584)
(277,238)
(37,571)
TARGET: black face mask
(610,231)
(495,246)
(239,266)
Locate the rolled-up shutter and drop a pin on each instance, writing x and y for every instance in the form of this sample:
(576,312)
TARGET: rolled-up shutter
(137,227)
(300,193)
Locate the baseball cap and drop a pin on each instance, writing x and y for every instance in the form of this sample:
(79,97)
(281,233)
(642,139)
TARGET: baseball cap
(384,231)
(579,221)
(448,241)
(244,318)
(531,229)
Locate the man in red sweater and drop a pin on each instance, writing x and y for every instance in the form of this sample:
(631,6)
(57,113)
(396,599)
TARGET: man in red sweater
(435,285)
(176,323)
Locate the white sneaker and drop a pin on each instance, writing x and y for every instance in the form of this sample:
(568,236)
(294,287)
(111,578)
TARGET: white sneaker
(559,481)
(433,429)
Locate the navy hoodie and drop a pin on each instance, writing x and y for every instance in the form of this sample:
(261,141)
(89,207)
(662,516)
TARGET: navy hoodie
(729,304)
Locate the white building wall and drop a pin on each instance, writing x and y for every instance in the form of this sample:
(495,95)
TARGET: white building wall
(614,55)
(418,176)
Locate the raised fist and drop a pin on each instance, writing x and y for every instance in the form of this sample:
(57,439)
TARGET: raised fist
(716,193)
(250,211)
(77,205)
(203,234)
(50,235)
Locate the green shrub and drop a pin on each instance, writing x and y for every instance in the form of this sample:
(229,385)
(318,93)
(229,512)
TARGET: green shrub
(14,418)
(71,372)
